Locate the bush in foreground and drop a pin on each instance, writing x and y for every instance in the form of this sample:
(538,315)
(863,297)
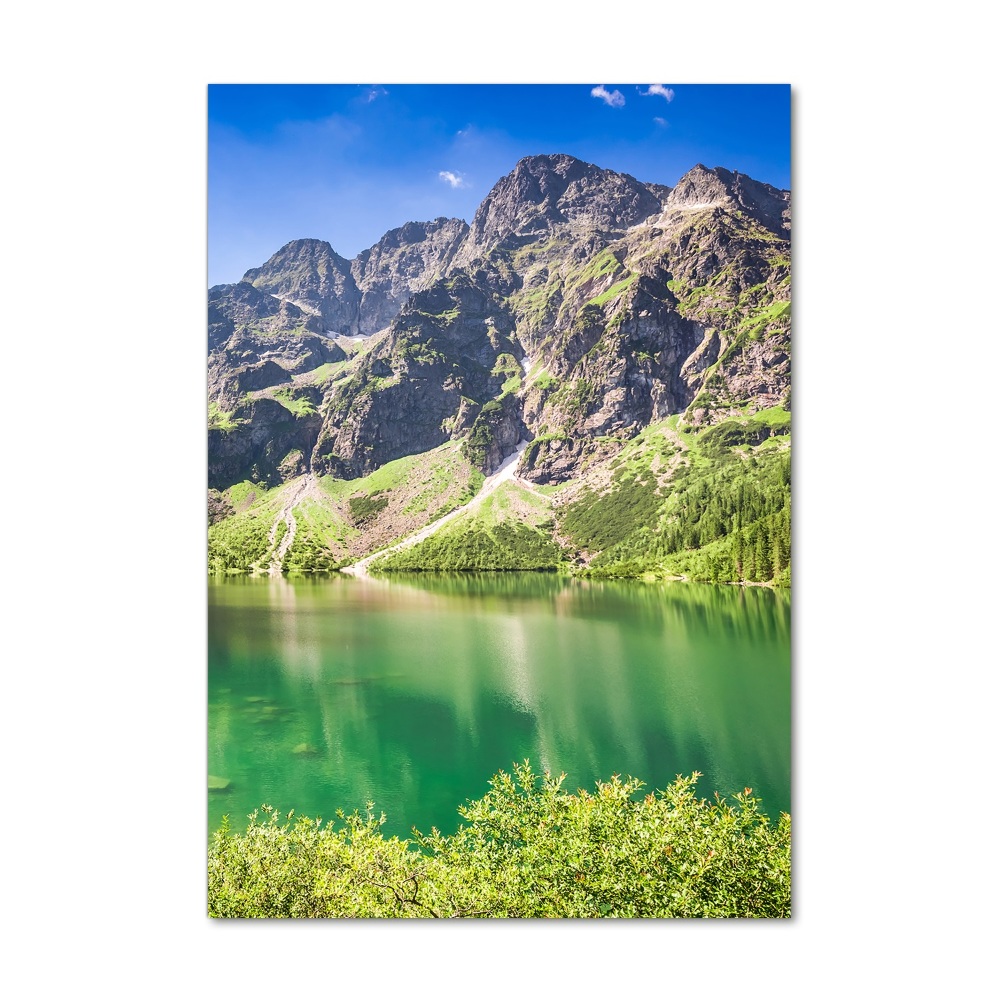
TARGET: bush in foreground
(526,849)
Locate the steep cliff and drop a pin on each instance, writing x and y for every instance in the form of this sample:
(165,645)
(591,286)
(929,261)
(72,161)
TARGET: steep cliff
(404,261)
(317,280)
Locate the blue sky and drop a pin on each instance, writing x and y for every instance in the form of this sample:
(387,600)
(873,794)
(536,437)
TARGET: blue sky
(346,163)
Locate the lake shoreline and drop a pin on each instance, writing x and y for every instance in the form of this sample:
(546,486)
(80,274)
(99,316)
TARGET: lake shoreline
(345,571)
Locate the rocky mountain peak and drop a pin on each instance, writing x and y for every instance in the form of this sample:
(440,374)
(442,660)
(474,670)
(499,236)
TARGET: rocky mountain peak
(701,187)
(316,278)
(300,265)
(549,191)
(417,232)
(404,261)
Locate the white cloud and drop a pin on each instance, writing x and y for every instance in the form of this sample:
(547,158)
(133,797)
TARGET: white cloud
(662,122)
(375,92)
(612,98)
(658,90)
(455,180)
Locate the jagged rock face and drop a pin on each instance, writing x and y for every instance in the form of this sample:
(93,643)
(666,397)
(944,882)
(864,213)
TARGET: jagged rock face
(404,261)
(423,384)
(580,306)
(660,191)
(239,381)
(733,277)
(612,369)
(365,295)
(687,313)
(550,460)
(243,307)
(257,342)
(295,352)
(543,193)
(265,436)
(219,507)
(640,371)
(760,372)
(495,433)
(319,281)
(704,188)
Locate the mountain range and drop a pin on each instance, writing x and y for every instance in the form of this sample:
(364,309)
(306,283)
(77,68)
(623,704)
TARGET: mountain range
(628,341)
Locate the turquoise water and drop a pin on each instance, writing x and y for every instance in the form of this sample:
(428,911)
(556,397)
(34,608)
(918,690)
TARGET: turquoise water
(412,692)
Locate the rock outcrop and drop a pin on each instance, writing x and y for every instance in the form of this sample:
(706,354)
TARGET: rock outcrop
(426,382)
(242,307)
(309,274)
(404,261)
(261,445)
(543,194)
(731,190)
(364,295)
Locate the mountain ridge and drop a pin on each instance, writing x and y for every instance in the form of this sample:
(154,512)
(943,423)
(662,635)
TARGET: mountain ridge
(578,308)
(546,189)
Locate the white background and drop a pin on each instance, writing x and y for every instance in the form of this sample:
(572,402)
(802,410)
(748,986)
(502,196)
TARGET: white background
(103,411)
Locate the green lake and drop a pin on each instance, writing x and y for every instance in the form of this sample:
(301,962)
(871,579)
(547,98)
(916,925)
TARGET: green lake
(413,691)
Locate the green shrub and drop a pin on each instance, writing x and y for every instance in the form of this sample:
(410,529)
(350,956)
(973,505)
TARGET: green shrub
(597,521)
(504,547)
(367,506)
(717,440)
(726,521)
(526,849)
(309,552)
(280,532)
(237,543)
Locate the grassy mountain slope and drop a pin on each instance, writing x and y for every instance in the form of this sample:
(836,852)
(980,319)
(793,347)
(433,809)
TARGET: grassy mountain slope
(338,521)
(509,530)
(677,501)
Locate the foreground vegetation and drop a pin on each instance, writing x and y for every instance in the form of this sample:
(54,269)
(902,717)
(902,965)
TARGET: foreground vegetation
(526,849)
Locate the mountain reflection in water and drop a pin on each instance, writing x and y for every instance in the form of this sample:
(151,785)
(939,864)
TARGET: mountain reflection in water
(412,691)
